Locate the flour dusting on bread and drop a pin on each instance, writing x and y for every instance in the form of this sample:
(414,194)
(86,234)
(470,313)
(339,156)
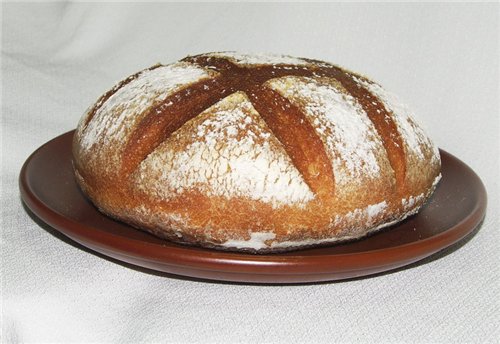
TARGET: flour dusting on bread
(414,136)
(253,152)
(114,120)
(344,127)
(226,151)
(256,59)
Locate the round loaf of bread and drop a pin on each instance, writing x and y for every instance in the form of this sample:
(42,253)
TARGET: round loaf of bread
(258,153)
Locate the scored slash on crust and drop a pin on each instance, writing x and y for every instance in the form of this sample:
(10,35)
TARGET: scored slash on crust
(303,146)
(191,150)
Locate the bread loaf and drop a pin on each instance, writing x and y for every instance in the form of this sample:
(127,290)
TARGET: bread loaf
(258,153)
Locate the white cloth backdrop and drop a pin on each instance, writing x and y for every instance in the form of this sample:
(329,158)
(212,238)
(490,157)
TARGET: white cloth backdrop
(57,58)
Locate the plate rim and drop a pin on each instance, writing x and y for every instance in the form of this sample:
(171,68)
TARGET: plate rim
(248,263)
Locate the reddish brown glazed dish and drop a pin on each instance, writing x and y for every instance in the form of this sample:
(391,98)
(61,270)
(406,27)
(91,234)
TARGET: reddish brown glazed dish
(253,153)
(49,189)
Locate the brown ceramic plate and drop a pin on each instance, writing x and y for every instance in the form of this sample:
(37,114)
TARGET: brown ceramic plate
(50,191)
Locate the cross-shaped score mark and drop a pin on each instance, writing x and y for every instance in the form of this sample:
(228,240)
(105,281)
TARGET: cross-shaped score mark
(285,120)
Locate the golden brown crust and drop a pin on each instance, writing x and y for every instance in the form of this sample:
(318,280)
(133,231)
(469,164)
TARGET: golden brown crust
(129,150)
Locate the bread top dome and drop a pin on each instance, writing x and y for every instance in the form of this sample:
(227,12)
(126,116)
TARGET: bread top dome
(222,148)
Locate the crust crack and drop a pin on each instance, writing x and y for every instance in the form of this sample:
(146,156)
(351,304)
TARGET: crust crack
(303,145)
(377,113)
(109,94)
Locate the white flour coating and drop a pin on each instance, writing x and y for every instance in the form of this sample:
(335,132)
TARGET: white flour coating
(258,240)
(436,181)
(369,213)
(374,210)
(413,136)
(173,222)
(311,242)
(232,154)
(345,129)
(115,118)
(84,118)
(259,58)
(410,202)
